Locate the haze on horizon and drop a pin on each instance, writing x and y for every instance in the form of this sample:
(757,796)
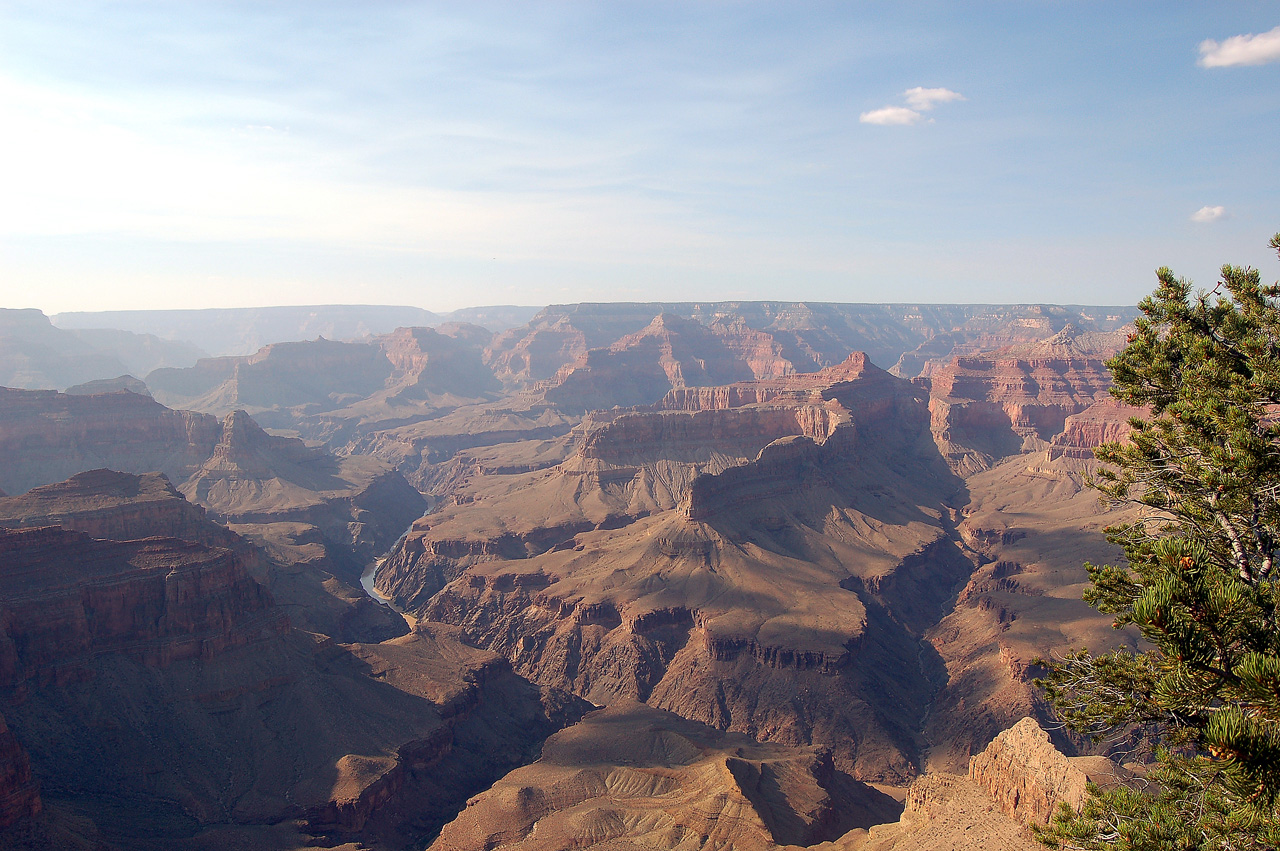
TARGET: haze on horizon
(217,154)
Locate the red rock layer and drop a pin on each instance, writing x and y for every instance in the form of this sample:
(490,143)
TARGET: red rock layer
(1105,421)
(986,407)
(640,368)
(66,597)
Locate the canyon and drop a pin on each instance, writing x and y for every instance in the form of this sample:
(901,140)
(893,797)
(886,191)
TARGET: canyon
(662,575)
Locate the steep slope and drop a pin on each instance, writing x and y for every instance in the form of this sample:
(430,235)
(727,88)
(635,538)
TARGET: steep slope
(19,791)
(321,519)
(635,777)
(47,436)
(715,556)
(162,695)
(991,405)
(109,504)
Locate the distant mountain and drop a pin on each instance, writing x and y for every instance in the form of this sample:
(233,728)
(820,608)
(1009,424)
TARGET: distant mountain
(244,330)
(35,355)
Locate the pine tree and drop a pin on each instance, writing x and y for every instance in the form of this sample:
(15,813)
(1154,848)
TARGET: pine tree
(1200,583)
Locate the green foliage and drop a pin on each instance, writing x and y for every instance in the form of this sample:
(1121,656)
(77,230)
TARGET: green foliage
(1200,583)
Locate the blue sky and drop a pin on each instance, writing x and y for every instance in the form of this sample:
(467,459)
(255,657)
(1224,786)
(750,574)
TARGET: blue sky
(186,154)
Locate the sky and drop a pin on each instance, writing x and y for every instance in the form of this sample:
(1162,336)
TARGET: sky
(178,154)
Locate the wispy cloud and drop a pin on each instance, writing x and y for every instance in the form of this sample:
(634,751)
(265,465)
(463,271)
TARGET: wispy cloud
(1208,214)
(920,100)
(925,99)
(1241,50)
(891,115)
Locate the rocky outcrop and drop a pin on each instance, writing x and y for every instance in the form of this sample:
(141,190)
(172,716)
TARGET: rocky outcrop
(121,506)
(119,384)
(46,437)
(1105,421)
(66,598)
(256,481)
(635,776)
(1026,775)
(695,560)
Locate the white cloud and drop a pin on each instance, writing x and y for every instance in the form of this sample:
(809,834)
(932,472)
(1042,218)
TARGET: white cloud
(920,100)
(924,99)
(1208,214)
(891,115)
(1241,50)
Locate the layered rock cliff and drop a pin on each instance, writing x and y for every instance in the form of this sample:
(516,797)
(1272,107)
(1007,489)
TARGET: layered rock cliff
(711,562)
(988,406)
(66,598)
(320,518)
(111,504)
(640,368)
(153,681)
(47,436)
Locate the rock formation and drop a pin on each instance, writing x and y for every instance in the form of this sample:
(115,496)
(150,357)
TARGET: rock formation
(1105,421)
(774,338)
(1026,775)
(635,777)
(68,598)
(46,437)
(253,479)
(715,561)
(111,504)
(317,385)
(988,406)
(640,368)
(121,383)
(155,678)
(320,518)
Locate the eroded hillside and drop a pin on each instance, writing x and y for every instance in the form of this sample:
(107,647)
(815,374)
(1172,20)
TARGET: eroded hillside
(782,569)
